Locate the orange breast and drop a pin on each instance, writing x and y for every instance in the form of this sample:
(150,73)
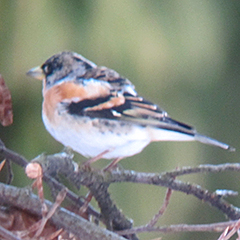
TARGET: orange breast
(71,92)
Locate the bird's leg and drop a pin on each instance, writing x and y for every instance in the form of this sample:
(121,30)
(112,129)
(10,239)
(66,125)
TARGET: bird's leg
(2,164)
(112,164)
(89,195)
(94,159)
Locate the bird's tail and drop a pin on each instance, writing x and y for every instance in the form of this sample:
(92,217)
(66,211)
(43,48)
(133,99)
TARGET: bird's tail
(210,141)
(171,130)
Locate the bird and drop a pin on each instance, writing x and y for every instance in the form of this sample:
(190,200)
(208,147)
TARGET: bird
(98,113)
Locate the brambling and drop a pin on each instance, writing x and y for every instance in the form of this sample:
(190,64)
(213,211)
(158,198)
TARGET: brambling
(99,114)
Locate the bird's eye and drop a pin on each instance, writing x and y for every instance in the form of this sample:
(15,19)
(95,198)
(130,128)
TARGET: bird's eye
(45,68)
(48,69)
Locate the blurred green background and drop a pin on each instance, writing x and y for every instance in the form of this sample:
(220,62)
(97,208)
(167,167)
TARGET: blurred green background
(183,55)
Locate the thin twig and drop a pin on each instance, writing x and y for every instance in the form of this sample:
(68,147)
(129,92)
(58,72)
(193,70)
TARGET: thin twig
(162,209)
(212,227)
(7,234)
(209,168)
(167,181)
(21,161)
(227,234)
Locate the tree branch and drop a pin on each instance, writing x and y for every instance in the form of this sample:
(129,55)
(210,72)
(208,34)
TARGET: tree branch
(22,198)
(98,182)
(167,181)
(212,227)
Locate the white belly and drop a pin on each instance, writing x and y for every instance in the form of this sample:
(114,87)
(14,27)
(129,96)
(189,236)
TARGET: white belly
(92,137)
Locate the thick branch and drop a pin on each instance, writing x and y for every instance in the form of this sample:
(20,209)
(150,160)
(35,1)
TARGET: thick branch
(163,180)
(94,180)
(84,177)
(62,218)
(62,162)
(98,182)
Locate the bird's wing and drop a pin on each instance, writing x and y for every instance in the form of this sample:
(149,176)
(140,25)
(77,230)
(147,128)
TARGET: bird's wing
(125,105)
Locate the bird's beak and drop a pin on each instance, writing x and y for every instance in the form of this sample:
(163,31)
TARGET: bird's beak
(37,73)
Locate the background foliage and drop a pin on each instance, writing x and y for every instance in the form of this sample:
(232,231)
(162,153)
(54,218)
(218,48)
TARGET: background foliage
(183,55)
